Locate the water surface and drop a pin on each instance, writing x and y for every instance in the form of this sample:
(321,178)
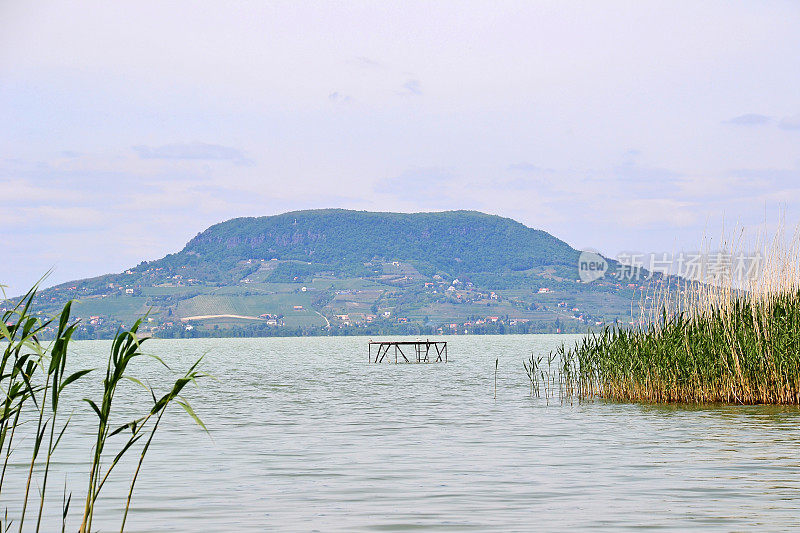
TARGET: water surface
(305,435)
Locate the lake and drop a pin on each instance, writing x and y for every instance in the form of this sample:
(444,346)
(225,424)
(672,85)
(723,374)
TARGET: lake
(306,435)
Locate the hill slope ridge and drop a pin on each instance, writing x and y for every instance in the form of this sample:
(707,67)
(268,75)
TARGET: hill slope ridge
(335,270)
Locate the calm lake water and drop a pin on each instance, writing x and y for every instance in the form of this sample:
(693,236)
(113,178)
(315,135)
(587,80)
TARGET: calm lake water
(305,435)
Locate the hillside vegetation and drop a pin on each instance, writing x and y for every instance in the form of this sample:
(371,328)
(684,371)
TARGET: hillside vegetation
(336,271)
(455,242)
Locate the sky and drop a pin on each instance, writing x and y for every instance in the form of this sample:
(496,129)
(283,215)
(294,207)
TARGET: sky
(128,127)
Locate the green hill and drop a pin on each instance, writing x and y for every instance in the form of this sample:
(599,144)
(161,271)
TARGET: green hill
(456,241)
(335,271)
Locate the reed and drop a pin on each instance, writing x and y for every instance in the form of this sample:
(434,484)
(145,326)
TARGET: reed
(543,376)
(721,340)
(531,366)
(496,363)
(33,378)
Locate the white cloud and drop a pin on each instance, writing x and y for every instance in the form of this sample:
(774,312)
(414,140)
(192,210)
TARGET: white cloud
(790,123)
(561,91)
(750,119)
(412,88)
(194,150)
(424,185)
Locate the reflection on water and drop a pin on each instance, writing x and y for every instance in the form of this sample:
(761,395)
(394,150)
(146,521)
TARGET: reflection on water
(306,435)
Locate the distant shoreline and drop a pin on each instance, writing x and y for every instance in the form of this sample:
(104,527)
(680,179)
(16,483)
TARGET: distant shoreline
(226,334)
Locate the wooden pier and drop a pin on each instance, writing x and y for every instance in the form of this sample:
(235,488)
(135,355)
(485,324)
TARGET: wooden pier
(425,351)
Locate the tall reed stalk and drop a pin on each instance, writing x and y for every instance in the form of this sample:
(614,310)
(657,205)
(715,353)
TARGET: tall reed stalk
(33,377)
(728,339)
(496,363)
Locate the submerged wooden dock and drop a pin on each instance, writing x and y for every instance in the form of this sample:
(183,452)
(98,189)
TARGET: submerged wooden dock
(425,351)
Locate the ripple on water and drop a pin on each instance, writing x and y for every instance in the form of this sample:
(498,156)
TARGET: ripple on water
(306,436)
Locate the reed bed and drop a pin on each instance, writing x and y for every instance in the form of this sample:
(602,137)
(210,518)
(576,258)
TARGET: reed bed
(729,339)
(34,415)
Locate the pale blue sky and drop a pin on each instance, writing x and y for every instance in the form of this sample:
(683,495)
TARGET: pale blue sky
(126,128)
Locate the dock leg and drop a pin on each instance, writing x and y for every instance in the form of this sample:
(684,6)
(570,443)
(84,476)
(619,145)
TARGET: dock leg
(385,352)
(402,353)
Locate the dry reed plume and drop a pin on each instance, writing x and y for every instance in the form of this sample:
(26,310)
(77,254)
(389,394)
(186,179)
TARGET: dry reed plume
(733,338)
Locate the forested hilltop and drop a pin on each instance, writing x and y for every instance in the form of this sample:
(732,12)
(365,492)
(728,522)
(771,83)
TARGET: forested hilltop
(336,271)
